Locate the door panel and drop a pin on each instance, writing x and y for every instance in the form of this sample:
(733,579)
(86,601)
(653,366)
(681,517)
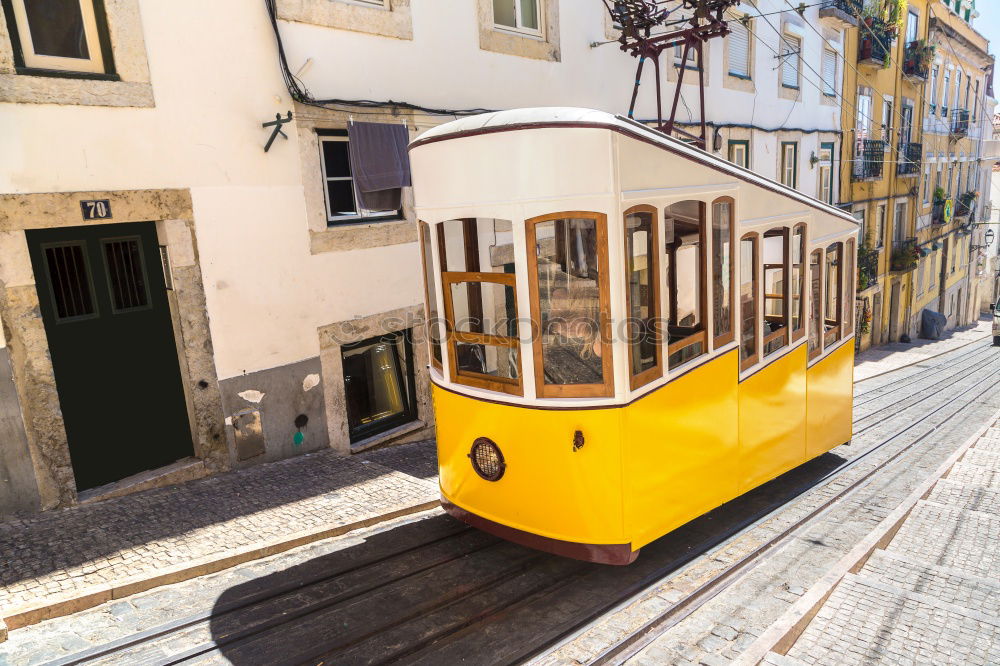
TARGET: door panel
(104,305)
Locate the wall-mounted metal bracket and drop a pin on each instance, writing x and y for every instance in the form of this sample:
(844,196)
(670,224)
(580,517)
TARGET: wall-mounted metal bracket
(276,124)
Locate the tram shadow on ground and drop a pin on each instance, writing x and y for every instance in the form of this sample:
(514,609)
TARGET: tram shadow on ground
(437,592)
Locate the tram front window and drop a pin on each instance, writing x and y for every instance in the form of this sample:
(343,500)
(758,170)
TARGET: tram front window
(684,239)
(642,275)
(480,299)
(832,318)
(775,290)
(816,304)
(748,301)
(570,303)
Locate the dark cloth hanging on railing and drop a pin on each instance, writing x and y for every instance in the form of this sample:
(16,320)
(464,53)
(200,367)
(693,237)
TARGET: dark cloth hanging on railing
(380,163)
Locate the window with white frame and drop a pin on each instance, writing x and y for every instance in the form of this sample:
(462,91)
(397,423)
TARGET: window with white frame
(927,184)
(826,173)
(789,163)
(518,15)
(945,93)
(338,183)
(829,73)
(932,90)
(60,35)
(791,48)
(912,26)
(739,50)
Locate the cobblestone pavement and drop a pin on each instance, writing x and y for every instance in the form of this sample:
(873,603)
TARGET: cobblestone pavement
(99,548)
(878,360)
(933,595)
(931,407)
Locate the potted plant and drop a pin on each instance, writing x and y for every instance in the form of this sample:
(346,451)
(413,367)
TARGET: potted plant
(939,194)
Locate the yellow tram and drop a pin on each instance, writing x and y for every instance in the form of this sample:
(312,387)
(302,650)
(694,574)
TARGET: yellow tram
(625,331)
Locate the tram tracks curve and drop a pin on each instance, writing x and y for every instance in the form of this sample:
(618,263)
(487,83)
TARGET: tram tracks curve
(485,567)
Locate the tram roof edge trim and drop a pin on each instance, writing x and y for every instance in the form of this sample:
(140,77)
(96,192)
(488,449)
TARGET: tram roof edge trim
(570,117)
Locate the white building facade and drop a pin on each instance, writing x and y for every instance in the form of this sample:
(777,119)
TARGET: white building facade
(158,267)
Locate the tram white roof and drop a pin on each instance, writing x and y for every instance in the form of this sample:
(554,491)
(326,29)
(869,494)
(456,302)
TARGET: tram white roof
(530,118)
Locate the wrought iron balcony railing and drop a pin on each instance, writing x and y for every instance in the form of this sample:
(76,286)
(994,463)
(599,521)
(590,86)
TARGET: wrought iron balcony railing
(938,211)
(875,40)
(910,155)
(867,267)
(868,159)
(916,64)
(905,255)
(845,12)
(960,122)
(965,206)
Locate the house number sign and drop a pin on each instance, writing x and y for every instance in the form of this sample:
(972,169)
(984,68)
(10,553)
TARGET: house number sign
(96,209)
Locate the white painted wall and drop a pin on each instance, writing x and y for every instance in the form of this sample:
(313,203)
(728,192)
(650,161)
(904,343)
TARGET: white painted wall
(215,79)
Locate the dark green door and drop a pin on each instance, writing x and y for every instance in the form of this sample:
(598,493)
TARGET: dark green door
(104,304)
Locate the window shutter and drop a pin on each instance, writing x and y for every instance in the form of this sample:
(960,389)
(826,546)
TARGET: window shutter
(739,49)
(790,48)
(829,73)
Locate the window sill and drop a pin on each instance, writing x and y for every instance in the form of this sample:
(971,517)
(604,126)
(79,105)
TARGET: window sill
(62,88)
(362,235)
(514,32)
(65,74)
(741,77)
(355,221)
(383,437)
(788,87)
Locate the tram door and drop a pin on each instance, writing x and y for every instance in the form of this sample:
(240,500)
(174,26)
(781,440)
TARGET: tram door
(104,305)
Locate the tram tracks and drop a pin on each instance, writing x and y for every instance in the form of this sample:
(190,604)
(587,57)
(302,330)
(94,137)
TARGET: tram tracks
(488,591)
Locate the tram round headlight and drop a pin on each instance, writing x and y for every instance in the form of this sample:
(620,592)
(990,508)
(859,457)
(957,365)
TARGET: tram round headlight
(487,459)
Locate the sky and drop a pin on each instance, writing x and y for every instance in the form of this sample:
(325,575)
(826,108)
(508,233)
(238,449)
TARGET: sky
(988,25)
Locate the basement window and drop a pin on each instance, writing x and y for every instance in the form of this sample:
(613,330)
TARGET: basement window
(338,184)
(518,15)
(59,37)
(379,384)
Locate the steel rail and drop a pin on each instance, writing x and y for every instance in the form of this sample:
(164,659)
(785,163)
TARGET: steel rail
(637,640)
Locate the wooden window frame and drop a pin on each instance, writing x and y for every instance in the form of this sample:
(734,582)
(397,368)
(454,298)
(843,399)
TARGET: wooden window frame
(726,338)
(821,267)
(833,335)
(800,332)
(701,336)
(749,362)
(786,296)
(606,389)
(99,66)
(425,231)
(475,379)
(746,151)
(654,373)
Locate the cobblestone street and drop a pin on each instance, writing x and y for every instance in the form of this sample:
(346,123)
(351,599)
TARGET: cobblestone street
(935,580)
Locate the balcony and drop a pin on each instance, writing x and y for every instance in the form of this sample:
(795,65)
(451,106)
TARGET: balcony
(959,123)
(905,255)
(868,159)
(917,61)
(867,267)
(966,205)
(841,14)
(875,42)
(910,155)
(942,211)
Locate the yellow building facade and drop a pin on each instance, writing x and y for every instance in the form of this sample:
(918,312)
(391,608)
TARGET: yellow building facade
(887,67)
(955,126)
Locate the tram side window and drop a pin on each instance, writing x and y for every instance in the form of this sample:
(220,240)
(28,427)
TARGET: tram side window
(748,301)
(798,285)
(684,238)
(433,327)
(849,288)
(480,298)
(775,290)
(833,291)
(722,271)
(816,304)
(642,275)
(569,299)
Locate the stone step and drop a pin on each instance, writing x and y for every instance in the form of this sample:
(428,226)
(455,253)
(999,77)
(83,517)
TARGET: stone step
(974,475)
(947,536)
(961,496)
(865,621)
(942,583)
